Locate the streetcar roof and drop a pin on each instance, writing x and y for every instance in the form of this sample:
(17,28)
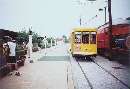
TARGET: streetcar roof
(117,22)
(83,29)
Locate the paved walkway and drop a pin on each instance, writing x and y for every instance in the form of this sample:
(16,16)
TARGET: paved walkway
(40,75)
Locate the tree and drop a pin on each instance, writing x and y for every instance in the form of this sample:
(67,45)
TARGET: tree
(22,37)
(65,39)
(34,37)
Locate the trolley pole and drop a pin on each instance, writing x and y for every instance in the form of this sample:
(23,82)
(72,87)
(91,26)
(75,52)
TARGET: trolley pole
(110,29)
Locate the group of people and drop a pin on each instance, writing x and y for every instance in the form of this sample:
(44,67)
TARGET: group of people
(10,50)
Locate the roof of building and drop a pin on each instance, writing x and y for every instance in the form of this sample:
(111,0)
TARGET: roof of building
(11,34)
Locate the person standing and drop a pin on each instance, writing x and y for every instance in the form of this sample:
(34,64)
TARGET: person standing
(12,54)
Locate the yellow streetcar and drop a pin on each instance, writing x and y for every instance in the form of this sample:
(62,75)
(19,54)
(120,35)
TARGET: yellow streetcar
(83,42)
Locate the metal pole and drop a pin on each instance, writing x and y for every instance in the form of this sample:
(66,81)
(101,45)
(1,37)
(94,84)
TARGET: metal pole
(45,41)
(55,42)
(80,21)
(51,42)
(110,29)
(105,14)
(30,42)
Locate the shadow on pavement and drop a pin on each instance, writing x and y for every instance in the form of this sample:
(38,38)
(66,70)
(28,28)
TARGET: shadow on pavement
(84,59)
(54,58)
(124,60)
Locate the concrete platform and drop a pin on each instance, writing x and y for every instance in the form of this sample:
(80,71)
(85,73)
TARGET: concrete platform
(40,75)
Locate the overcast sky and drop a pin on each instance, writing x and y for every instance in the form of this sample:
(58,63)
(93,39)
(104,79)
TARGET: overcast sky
(56,17)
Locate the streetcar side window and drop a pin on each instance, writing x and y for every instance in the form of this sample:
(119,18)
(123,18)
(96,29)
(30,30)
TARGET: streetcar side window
(118,42)
(85,37)
(93,38)
(78,37)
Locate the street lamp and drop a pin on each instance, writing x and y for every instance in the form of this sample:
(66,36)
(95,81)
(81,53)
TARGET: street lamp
(110,27)
(30,39)
(45,43)
(51,41)
(30,44)
(80,21)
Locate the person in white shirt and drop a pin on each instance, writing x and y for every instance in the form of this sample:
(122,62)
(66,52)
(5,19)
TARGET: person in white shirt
(12,54)
(12,47)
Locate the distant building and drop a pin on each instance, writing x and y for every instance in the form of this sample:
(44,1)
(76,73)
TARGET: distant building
(59,39)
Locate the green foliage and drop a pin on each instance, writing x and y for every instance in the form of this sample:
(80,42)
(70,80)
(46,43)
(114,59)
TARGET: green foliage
(22,37)
(66,40)
(34,37)
(64,36)
(49,40)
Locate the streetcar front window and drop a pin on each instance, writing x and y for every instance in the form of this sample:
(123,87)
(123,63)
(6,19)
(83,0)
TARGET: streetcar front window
(78,37)
(85,37)
(93,38)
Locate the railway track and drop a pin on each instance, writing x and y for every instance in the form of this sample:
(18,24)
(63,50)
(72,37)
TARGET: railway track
(101,67)
(90,84)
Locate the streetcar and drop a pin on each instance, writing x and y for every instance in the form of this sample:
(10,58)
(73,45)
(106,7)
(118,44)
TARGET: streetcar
(119,43)
(83,42)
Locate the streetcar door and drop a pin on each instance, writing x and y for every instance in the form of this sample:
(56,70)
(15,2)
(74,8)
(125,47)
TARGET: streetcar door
(85,41)
(93,42)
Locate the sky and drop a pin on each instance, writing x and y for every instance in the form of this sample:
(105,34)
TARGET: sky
(57,17)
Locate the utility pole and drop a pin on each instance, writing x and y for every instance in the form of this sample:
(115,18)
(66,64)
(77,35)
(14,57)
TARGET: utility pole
(55,41)
(110,29)
(105,13)
(51,41)
(80,21)
(45,42)
(30,45)
(30,42)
